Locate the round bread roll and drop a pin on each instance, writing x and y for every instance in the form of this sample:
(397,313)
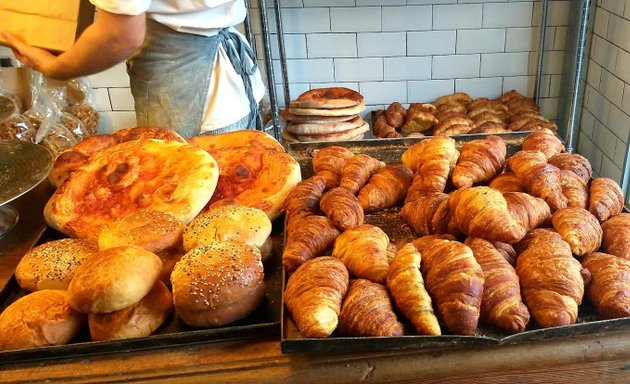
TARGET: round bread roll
(40,319)
(52,265)
(219,276)
(113,279)
(230,223)
(139,320)
(152,230)
(169,258)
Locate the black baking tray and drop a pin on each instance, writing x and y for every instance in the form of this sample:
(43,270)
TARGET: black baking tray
(390,221)
(265,320)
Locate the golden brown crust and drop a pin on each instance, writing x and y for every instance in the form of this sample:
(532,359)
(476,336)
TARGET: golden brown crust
(382,129)
(307,238)
(616,239)
(304,198)
(575,163)
(606,198)
(349,134)
(357,171)
(479,161)
(574,188)
(320,129)
(434,160)
(531,211)
(488,127)
(329,162)
(424,216)
(610,285)
(395,115)
(544,141)
(507,251)
(333,97)
(418,121)
(342,208)
(385,188)
(288,116)
(363,250)
(314,293)
(507,182)
(579,228)
(143,133)
(455,98)
(345,111)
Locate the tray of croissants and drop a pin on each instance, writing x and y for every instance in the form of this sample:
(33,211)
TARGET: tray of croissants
(152,241)
(437,242)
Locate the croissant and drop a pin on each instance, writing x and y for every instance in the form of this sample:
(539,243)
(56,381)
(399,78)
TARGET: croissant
(418,121)
(452,129)
(483,212)
(575,163)
(552,280)
(544,141)
(329,162)
(406,285)
(357,172)
(412,156)
(507,251)
(314,293)
(422,107)
(539,178)
(506,182)
(488,127)
(455,98)
(423,242)
(455,281)
(435,163)
(609,289)
(385,188)
(367,311)
(307,238)
(424,216)
(342,208)
(511,95)
(616,240)
(304,199)
(501,304)
(606,198)
(579,228)
(479,161)
(530,211)
(383,129)
(363,250)
(574,188)
(396,114)
(447,110)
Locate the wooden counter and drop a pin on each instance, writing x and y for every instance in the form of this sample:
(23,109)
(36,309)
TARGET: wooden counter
(603,358)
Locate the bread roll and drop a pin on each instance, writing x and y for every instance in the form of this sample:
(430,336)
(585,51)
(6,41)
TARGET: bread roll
(231,223)
(222,278)
(52,265)
(139,320)
(40,319)
(113,279)
(152,230)
(169,258)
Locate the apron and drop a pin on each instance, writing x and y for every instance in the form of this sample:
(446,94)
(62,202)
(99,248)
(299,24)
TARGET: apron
(170,75)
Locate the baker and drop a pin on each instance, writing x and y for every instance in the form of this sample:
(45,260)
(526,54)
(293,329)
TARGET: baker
(189,69)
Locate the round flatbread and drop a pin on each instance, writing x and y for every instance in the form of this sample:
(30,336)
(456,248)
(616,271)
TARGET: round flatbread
(328,112)
(327,98)
(165,176)
(288,116)
(323,128)
(336,136)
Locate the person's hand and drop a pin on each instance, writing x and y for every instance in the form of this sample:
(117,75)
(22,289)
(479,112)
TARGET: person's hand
(36,58)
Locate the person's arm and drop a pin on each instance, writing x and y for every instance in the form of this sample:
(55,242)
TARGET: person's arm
(108,41)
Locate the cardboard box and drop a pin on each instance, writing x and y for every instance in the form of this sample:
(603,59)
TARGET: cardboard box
(50,24)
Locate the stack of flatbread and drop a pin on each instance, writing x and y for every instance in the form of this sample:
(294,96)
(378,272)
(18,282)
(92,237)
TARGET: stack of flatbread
(325,114)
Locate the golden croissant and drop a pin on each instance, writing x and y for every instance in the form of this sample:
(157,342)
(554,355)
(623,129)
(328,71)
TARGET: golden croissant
(616,240)
(575,189)
(357,171)
(304,199)
(385,188)
(342,208)
(609,288)
(435,163)
(544,141)
(479,161)
(579,228)
(363,250)
(307,238)
(531,211)
(428,214)
(329,162)
(575,163)
(506,182)
(606,198)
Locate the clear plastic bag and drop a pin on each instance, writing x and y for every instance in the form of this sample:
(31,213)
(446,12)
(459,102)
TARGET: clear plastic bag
(17,126)
(80,101)
(55,136)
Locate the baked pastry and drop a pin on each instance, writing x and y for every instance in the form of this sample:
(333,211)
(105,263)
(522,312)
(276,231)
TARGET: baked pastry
(169,258)
(544,141)
(327,98)
(488,127)
(406,285)
(606,198)
(385,188)
(230,223)
(428,214)
(575,189)
(367,311)
(616,236)
(218,283)
(418,121)
(51,265)
(329,162)
(143,174)
(501,304)
(143,133)
(139,320)
(40,319)
(395,115)
(342,208)
(113,279)
(532,212)
(357,171)
(575,163)
(455,98)
(363,250)
(579,228)
(507,182)
(479,161)
(306,239)
(152,230)
(434,160)
(314,293)
(507,251)
(304,199)
(382,129)
(609,287)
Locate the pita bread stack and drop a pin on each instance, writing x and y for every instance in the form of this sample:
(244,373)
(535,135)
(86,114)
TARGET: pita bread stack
(325,114)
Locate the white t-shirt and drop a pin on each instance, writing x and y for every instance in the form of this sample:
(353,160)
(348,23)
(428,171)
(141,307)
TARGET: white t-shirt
(226,100)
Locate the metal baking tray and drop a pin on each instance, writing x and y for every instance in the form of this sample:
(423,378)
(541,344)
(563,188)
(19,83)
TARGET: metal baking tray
(265,320)
(390,151)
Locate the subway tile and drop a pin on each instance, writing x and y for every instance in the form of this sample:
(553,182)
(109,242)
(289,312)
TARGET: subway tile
(604,139)
(618,123)
(619,31)
(483,1)
(560,41)
(100,99)
(121,99)
(553,62)
(115,76)
(480,41)
(310,70)
(384,92)
(600,25)
(361,3)
(433,2)
(328,3)
(589,150)
(521,39)
(295,90)
(366,115)
(545,82)
(593,74)
(606,54)
(622,68)
(409,18)
(364,69)
(481,87)
(382,44)
(504,64)
(332,45)
(507,15)
(431,43)
(429,90)
(467,16)
(612,88)
(455,66)
(407,68)
(549,107)
(362,19)
(587,123)
(555,84)
(599,106)
(620,153)
(523,84)
(305,20)
(614,6)
(558,13)
(294,46)
(625,104)
(609,169)
(112,121)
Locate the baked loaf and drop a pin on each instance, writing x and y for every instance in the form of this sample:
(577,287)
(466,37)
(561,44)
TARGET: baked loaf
(363,250)
(113,279)
(139,320)
(51,265)
(154,231)
(230,223)
(616,240)
(143,174)
(40,319)
(610,284)
(254,170)
(218,283)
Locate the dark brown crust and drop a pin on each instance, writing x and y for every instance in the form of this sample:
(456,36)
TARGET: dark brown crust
(334,97)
